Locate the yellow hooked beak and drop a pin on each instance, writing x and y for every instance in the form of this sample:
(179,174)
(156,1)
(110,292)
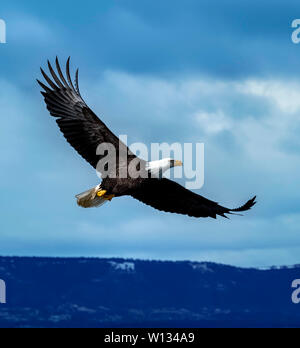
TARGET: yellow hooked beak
(178,164)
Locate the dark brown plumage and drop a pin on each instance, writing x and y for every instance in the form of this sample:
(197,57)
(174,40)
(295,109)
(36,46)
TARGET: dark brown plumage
(85,132)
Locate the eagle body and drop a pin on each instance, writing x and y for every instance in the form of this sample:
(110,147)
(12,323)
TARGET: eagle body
(122,187)
(149,172)
(85,132)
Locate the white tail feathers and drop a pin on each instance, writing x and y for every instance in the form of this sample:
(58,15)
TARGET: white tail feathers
(89,199)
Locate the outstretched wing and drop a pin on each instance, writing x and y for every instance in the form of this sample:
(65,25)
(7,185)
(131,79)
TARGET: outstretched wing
(168,196)
(80,126)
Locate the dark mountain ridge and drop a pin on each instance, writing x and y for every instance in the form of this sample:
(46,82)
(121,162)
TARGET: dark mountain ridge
(81,292)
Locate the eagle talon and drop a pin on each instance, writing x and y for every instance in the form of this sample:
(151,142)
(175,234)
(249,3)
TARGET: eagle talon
(109,197)
(101,193)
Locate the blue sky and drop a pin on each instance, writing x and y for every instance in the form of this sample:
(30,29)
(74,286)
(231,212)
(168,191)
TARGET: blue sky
(225,73)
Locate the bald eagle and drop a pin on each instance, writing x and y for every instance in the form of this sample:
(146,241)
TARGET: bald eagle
(85,132)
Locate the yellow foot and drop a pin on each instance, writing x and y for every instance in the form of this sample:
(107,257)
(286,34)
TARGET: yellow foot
(101,193)
(109,197)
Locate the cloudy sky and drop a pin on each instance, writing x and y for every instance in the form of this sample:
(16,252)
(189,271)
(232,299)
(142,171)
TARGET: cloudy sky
(225,73)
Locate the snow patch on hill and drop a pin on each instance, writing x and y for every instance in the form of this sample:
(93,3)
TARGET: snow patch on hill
(202,267)
(123,266)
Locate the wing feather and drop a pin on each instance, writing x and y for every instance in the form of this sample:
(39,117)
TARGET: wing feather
(168,196)
(56,79)
(77,83)
(69,75)
(61,75)
(49,81)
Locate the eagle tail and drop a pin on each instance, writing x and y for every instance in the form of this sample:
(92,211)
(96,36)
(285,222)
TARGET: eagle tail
(89,199)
